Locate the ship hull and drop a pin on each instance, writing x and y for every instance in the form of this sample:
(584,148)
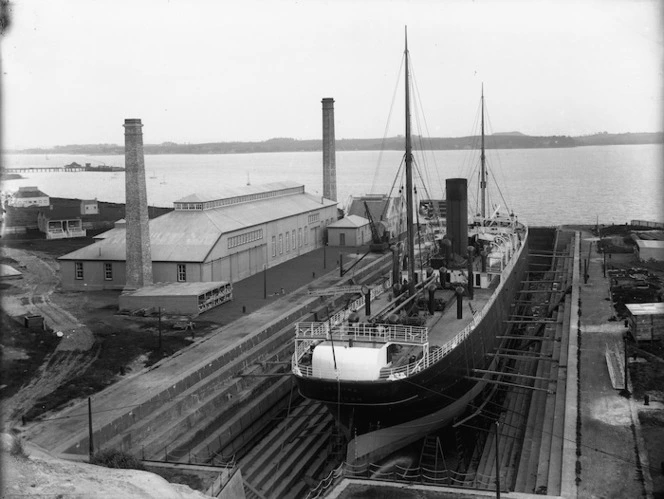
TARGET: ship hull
(383,414)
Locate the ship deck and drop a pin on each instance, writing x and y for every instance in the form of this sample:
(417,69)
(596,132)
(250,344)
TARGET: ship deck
(442,327)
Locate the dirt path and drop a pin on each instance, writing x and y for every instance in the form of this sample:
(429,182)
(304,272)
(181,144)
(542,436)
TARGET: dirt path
(72,355)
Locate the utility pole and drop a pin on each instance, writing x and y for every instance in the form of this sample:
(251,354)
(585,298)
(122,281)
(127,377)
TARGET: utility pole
(159,328)
(91,448)
(497,464)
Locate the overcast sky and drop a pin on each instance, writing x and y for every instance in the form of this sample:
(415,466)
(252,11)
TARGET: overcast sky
(215,71)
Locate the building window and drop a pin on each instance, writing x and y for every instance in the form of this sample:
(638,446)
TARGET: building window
(78,270)
(281,244)
(108,271)
(313,217)
(306,235)
(342,239)
(182,272)
(288,242)
(274,245)
(299,236)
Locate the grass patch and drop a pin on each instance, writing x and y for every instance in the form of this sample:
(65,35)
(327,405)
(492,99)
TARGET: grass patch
(113,458)
(114,350)
(35,345)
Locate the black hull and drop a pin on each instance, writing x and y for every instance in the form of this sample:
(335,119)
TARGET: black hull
(369,405)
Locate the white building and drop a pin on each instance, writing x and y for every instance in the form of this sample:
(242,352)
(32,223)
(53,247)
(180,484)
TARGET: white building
(225,235)
(29,196)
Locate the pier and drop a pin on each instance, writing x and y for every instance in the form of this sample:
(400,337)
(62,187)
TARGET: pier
(63,169)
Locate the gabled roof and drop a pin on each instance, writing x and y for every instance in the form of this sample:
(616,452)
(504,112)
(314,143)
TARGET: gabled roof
(36,193)
(349,222)
(189,235)
(378,206)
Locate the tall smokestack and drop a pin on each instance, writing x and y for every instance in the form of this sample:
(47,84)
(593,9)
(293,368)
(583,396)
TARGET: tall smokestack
(139,258)
(329,155)
(457,214)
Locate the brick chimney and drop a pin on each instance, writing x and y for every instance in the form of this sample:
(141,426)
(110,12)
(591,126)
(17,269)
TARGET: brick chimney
(329,155)
(139,258)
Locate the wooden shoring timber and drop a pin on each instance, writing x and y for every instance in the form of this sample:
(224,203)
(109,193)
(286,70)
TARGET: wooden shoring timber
(546,358)
(560,255)
(533,321)
(542,291)
(559,281)
(512,350)
(505,383)
(547,272)
(525,316)
(529,338)
(527,376)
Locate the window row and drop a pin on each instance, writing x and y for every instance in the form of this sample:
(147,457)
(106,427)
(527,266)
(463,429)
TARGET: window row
(248,237)
(313,217)
(238,199)
(181,271)
(293,239)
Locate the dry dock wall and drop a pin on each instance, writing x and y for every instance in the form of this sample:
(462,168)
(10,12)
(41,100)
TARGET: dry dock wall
(78,443)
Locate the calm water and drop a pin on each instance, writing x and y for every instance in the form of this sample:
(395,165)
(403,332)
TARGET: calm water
(542,186)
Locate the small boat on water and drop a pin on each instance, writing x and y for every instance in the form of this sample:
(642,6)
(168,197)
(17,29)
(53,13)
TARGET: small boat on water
(411,362)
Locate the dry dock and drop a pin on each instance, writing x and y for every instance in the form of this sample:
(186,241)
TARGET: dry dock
(569,433)
(581,438)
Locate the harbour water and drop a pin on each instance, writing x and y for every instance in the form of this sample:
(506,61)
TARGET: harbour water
(612,184)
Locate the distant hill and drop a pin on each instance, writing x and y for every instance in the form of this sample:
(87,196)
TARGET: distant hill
(503,140)
(508,133)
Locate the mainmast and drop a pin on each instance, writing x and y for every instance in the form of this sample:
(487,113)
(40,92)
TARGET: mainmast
(409,186)
(483,163)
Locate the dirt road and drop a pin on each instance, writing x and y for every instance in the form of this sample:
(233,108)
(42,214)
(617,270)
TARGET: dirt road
(33,296)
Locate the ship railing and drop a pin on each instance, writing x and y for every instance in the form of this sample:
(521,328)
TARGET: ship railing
(382,333)
(436,354)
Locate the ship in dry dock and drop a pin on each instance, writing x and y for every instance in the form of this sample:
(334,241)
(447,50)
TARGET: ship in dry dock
(408,356)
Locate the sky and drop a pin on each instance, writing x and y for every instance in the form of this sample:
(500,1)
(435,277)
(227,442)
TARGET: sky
(202,71)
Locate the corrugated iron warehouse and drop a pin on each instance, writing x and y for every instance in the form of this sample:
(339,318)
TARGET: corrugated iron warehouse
(226,235)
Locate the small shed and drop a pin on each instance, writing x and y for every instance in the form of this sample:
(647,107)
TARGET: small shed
(650,249)
(352,230)
(185,298)
(89,207)
(646,321)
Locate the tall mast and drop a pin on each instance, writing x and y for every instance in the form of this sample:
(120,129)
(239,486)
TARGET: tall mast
(483,162)
(409,186)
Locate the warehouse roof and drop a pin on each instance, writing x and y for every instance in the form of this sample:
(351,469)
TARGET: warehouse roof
(208,195)
(188,236)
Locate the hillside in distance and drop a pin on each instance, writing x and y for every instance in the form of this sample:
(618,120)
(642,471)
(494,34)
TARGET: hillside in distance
(508,140)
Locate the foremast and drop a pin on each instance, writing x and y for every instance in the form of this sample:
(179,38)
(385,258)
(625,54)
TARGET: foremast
(409,184)
(483,164)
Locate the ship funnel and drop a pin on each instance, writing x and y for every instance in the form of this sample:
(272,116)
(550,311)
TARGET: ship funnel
(329,152)
(457,214)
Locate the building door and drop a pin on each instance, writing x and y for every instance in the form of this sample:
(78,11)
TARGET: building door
(342,239)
